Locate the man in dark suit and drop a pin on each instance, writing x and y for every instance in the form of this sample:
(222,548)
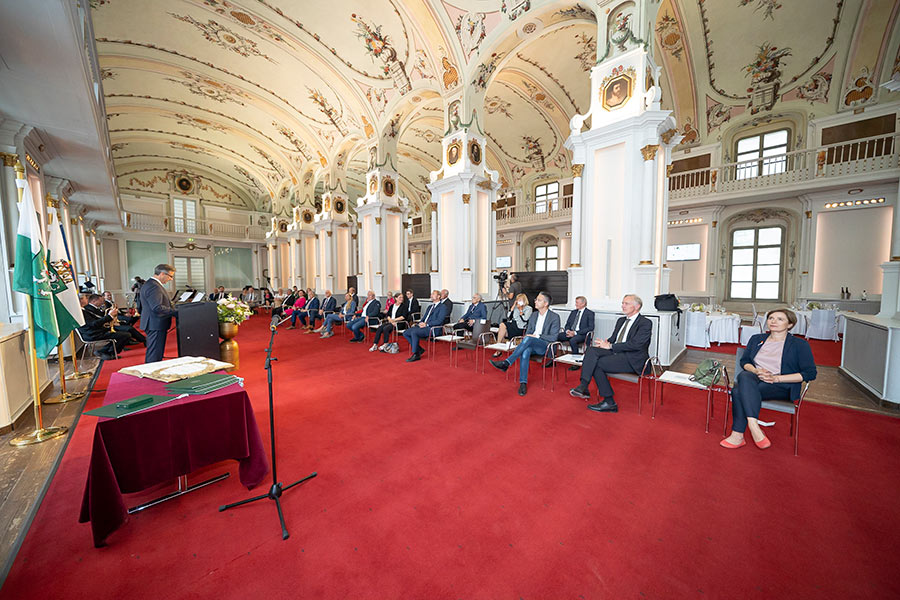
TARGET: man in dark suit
(477,311)
(433,318)
(219,294)
(542,329)
(109,302)
(309,313)
(579,324)
(101,307)
(412,305)
(626,351)
(448,303)
(96,326)
(156,317)
(368,316)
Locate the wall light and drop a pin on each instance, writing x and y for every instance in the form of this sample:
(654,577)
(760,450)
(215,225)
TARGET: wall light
(686,221)
(851,203)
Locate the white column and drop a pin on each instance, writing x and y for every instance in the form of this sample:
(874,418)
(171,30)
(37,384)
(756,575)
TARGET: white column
(649,153)
(467,244)
(895,230)
(576,216)
(270,261)
(434,238)
(292,280)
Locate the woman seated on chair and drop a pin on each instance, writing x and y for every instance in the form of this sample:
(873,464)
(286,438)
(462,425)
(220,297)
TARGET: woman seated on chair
(397,312)
(775,364)
(294,312)
(515,322)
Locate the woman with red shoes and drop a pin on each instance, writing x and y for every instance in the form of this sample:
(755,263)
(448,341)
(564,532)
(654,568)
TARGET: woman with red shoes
(775,364)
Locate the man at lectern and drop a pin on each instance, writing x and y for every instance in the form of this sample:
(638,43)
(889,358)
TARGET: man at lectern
(157,313)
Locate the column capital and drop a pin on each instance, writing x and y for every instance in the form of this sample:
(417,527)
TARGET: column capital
(9,160)
(577,169)
(667,135)
(649,151)
(466,198)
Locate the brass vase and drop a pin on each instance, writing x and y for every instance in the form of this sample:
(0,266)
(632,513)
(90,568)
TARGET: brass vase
(228,349)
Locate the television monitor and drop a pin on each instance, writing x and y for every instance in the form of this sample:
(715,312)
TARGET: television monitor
(504,262)
(680,252)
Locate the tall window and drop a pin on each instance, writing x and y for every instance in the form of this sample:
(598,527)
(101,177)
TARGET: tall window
(185,213)
(756,263)
(546,197)
(190,271)
(546,258)
(766,152)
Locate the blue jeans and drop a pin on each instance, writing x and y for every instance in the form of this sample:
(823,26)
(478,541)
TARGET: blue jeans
(330,320)
(356,326)
(528,346)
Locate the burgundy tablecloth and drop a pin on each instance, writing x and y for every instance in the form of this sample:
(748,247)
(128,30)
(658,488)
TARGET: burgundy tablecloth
(147,448)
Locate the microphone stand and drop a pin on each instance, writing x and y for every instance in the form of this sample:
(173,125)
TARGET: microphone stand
(277,489)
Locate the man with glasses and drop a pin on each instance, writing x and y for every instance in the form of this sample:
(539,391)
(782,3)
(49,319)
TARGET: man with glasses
(157,313)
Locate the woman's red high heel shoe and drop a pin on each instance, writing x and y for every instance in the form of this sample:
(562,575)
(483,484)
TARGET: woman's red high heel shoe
(763,443)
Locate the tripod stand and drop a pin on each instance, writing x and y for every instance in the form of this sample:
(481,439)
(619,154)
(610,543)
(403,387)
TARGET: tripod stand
(277,489)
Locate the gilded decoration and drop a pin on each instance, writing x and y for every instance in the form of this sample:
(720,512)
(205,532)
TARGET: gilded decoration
(434,207)
(339,206)
(475,152)
(9,160)
(454,151)
(388,187)
(667,135)
(378,220)
(466,198)
(307,216)
(617,88)
(649,151)
(577,169)
(373,185)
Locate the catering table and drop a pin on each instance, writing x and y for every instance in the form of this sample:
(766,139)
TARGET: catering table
(703,328)
(163,443)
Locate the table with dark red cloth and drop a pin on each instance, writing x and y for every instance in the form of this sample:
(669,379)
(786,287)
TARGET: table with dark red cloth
(143,449)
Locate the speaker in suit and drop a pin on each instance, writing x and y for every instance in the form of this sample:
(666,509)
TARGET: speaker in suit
(579,324)
(625,351)
(157,313)
(370,311)
(432,318)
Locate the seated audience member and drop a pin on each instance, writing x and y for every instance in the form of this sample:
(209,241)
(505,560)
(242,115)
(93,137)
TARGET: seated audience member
(543,328)
(388,303)
(296,310)
(412,305)
(396,314)
(109,302)
(219,294)
(250,297)
(515,322)
(124,324)
(329,306)
(625,351)
(477,311)
(352,292)
(368,316)
(775,365)
(310,312)
(579,324)
(345,315)
(446,301)
(267,297)
(97,326)
(433,318)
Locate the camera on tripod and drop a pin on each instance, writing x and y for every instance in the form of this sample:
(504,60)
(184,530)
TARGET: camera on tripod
(501,278)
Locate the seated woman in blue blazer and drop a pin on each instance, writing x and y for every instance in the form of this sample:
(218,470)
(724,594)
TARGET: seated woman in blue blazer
(775,364)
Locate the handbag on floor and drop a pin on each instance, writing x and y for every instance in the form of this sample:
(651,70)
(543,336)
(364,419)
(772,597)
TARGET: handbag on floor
(708,372)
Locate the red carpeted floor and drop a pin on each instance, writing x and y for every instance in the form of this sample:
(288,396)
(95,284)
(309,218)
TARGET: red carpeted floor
(825,352)
(436,482)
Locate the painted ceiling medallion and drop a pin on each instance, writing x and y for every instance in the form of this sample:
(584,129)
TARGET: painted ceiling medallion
(339,206)
(223,37)
(307,216)
(454,151)
(669,35)
(533,151)
(387,186)
(860,91)
(379,46)
(617,88)
(210,88)
(184,185)
(471,31)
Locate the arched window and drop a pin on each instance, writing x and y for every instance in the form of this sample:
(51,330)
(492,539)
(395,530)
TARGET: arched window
(757,254)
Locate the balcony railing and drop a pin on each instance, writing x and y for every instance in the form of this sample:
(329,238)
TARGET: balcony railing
(535,212)
(857,157)
(200,227)
(420,232)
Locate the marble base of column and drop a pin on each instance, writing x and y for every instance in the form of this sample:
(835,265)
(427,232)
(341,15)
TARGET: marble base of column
(890,290)
(576,285)
(435,280)
(664,276)
(378,284)
(645,283)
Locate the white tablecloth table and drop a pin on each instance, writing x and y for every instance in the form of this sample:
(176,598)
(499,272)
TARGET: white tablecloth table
(703,329)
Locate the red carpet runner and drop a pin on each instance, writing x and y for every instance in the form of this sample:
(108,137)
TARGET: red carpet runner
(436,482)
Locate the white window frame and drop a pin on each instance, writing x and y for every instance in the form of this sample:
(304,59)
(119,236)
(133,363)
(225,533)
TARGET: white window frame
(540,264)
(546,197)
(766,159)
(756,248)
(182,219)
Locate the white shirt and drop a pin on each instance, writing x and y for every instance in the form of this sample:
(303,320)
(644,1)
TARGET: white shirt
(627,327)
(366,305)
(394,310)
(539,326)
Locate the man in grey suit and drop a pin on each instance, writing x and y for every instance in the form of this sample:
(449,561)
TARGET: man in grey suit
(543,328)
(157,313)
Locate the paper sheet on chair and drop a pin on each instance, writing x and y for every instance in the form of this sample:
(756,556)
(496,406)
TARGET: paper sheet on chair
(177,368)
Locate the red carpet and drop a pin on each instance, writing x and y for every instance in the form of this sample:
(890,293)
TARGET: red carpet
(825,352)
(436,482)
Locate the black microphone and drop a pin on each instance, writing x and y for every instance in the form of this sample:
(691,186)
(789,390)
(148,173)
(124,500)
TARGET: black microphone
(275,321)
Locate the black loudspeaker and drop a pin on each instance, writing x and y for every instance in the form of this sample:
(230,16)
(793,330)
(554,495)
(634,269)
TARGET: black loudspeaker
(198,329)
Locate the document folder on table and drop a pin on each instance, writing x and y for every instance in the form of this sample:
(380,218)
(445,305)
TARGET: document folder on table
(202,384)
(129,406)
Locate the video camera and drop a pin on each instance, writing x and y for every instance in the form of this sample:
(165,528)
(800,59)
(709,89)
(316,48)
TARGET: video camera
(501,278)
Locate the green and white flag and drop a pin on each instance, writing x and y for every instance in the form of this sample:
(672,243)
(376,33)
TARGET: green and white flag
(32,278)
(62,280)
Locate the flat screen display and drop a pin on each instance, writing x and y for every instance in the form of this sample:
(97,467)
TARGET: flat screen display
(504,262)
(678,252)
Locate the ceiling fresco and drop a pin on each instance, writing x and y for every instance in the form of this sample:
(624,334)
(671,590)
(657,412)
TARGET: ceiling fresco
(268,99)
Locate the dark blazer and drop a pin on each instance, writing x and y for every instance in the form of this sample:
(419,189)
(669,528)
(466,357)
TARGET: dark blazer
(412,306)
(372,310)
(94,321)
(449,304)
(402,311)
(329,304)
(636,346)
(435,314)
(156,307)
(551,325)
(475,311)
(312,304)
(587,322)
(797,357)
(216,296)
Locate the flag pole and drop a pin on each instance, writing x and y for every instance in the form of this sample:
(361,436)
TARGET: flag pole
(40,433)
(63,396)
(76,373)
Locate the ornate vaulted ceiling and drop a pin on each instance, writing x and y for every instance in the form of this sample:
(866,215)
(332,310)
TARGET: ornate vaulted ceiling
(264,100)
